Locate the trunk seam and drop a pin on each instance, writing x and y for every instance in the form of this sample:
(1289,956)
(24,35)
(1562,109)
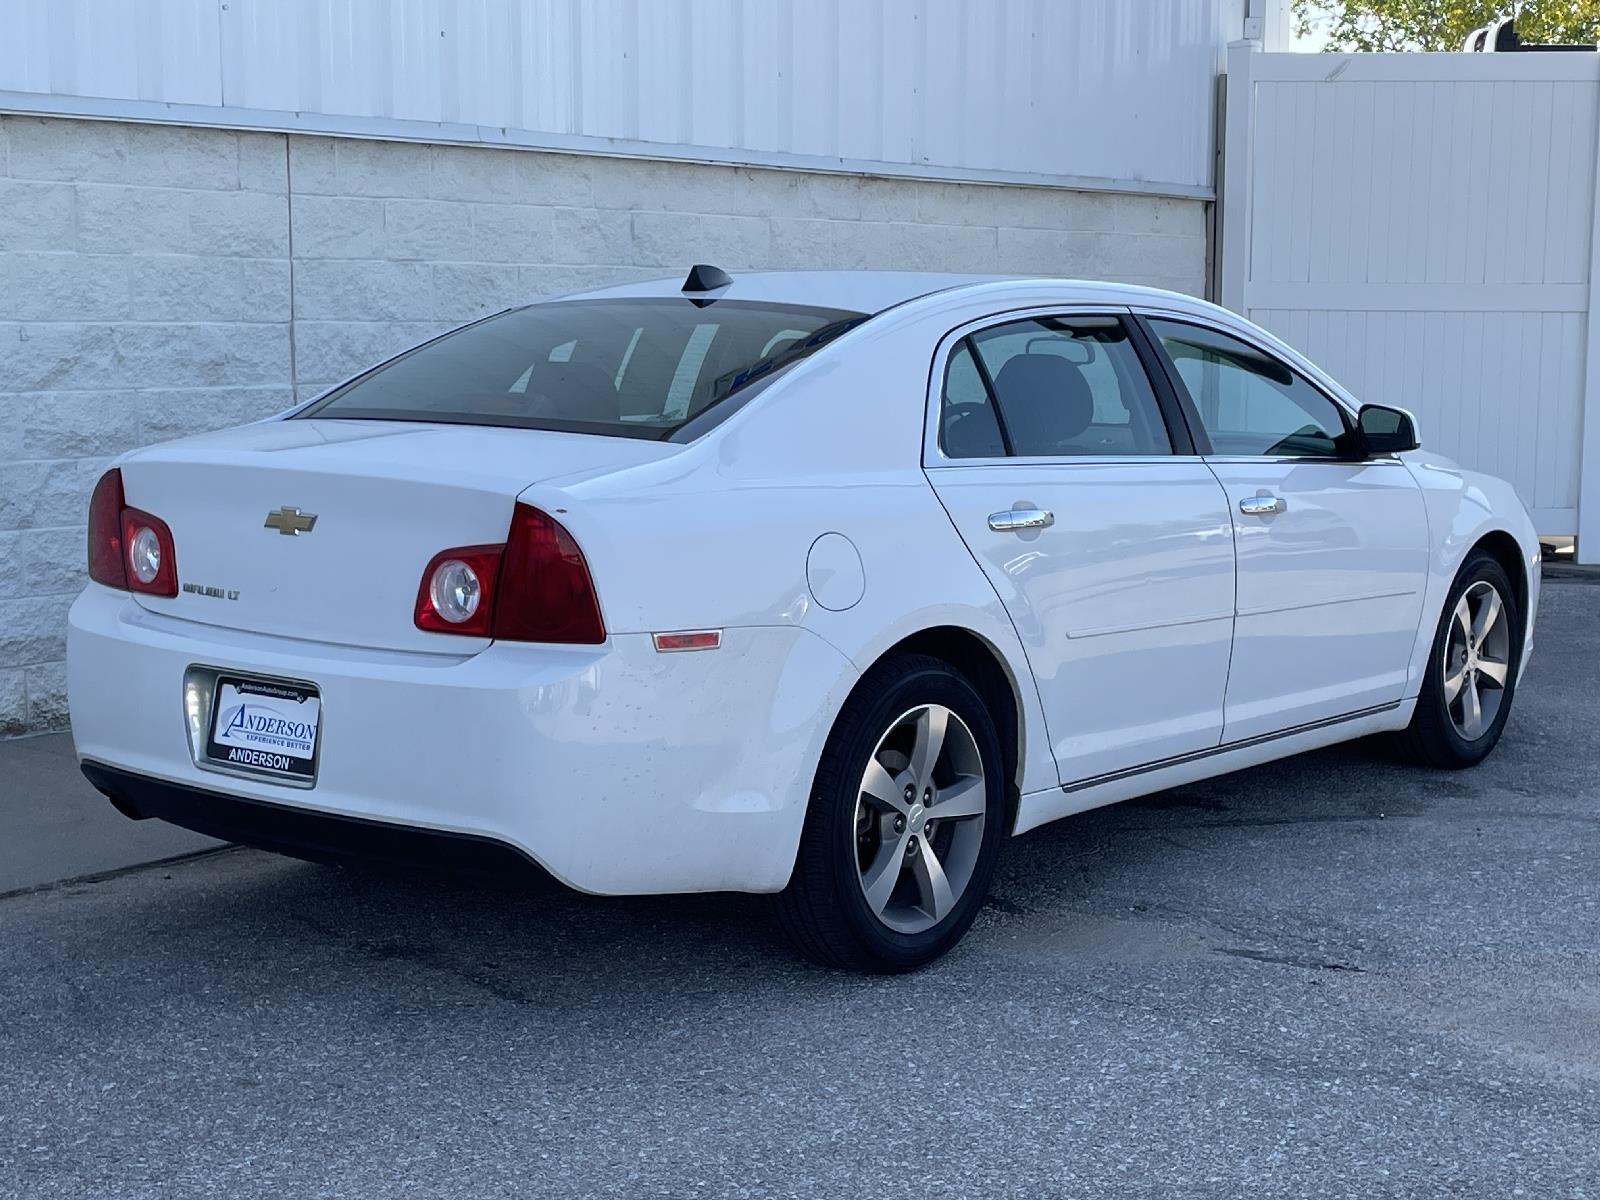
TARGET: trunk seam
(288,201)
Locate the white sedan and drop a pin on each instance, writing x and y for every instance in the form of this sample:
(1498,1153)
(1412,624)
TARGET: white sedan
(822,585)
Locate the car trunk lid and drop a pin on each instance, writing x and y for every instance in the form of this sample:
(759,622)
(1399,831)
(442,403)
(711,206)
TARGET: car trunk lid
(321,529)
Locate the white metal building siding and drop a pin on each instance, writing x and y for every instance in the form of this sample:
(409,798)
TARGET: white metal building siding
(1108,91)
(1422,226)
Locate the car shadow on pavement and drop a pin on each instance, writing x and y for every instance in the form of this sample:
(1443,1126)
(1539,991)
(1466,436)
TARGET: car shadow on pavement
(522,939)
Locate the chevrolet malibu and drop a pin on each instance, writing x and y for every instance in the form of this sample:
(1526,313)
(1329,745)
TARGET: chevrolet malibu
(821,585)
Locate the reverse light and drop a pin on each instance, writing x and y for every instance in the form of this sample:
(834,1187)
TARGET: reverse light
(129,549)
(144,554)
(455,590)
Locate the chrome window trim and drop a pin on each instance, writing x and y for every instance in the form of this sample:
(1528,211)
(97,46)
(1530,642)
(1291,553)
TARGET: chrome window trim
(933,455)
(1231,459)
(1067,460)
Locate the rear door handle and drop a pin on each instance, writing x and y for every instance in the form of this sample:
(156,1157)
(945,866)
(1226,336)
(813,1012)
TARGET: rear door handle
(1014,520)
(1262,504)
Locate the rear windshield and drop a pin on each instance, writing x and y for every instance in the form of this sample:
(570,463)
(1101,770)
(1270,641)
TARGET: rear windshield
(628,368)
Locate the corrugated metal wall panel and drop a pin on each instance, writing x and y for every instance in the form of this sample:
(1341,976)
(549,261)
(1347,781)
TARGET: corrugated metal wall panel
(1092,88)
(163,50)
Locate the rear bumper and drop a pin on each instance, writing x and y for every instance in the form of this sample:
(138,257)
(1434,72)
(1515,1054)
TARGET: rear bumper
(616,769)
(305,833)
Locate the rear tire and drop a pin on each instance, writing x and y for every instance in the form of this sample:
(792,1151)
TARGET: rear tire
(1471,676)
(905,822)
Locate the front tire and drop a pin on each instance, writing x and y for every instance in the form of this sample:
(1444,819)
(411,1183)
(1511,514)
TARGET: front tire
(1472,670)
(905,822)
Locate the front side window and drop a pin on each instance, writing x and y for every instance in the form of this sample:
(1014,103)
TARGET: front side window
(630,368)
(1050,387)
(1249,403)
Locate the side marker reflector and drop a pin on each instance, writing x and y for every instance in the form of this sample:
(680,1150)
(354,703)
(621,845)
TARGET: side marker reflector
(703,639)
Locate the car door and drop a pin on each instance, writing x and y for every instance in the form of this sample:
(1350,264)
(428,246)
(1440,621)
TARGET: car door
(1064,462)
(1332,547)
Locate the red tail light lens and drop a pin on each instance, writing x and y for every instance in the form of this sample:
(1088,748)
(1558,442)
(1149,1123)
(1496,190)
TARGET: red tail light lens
(546,593)
(458,591)
(129,549)
(535,588)
(106,564)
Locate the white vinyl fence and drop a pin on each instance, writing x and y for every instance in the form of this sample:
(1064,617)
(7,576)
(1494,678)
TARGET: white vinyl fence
(1423,226)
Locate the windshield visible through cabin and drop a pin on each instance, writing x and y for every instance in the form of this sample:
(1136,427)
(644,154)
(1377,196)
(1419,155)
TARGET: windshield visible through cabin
(632,368)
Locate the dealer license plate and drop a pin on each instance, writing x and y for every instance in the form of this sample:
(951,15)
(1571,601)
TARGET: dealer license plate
(265,727)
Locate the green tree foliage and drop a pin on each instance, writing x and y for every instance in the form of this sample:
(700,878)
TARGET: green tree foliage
(1441,24)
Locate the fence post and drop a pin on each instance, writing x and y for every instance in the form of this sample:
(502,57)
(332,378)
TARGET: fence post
(1588,527)
(1235,198)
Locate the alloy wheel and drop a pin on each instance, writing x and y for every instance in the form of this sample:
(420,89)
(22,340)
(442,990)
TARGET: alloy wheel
(1477,661)
(919,818)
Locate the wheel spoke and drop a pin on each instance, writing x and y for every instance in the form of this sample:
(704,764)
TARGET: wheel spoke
(966,797)
(879,879)
(1463,619)
(1453,682)
(1471,709)
(925,751)
(1488,615)
(932,886)
(877,784)
(1494,672)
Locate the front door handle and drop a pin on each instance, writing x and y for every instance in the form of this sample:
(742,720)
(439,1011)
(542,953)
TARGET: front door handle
(1262,504)
(1015,520)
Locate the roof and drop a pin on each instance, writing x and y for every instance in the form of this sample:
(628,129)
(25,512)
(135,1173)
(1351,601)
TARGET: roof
(863,291)
(874,291)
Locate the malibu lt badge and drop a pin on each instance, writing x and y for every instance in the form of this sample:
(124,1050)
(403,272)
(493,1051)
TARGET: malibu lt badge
(216,593)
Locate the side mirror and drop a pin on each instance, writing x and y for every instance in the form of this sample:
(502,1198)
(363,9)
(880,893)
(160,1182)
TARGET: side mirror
(1386,430)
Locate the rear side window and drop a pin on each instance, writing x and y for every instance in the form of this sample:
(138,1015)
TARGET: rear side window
(968,428)
(629,368)
(1050,387)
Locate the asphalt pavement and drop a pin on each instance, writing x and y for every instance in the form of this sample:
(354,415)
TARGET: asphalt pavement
(54,826)
(1332,976)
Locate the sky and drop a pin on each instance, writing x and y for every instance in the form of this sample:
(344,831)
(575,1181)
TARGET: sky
(1313,42)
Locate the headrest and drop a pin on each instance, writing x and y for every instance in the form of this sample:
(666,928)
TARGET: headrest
(575,391)
(1046,402)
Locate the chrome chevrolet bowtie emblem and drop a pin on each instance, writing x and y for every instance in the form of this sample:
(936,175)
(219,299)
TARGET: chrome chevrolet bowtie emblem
(291,522)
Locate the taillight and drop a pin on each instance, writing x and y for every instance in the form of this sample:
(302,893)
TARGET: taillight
(147,547)
(106,564)
(535,588)
(546,592)
(458,590)
(128,548)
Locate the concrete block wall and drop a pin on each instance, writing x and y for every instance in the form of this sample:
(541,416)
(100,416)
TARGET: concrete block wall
(144,294)
(162,280)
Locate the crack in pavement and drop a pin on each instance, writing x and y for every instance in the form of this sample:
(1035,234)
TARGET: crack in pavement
(1289,960)
(177,860)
